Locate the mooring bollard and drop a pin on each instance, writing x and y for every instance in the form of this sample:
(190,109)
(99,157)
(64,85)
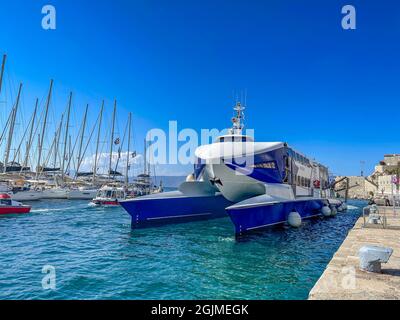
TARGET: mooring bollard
(371,257)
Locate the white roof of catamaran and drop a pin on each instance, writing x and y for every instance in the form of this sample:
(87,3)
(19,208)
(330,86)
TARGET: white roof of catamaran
(235,149)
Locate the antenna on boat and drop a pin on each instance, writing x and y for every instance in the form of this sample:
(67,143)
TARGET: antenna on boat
(237,120)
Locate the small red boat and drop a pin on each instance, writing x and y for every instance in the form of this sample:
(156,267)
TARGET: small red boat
(9,206)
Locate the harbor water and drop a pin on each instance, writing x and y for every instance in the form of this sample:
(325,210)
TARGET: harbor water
(96,255)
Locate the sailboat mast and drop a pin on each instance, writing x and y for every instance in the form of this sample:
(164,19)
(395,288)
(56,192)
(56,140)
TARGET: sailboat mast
(3,64)
(66,137)
(97,143)
(145,157)
(57,142)
(69,149)
(44,129)
(127,155)
(150,159)
(29,143)
(11,131)
(112,139)
(81,141)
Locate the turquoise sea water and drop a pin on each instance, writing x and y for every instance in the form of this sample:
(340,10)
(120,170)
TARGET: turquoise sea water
(97,256)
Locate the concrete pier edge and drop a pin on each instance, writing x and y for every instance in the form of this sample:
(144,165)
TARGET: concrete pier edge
(342,278)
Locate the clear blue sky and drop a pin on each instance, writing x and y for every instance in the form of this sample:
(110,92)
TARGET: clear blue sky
(331,93)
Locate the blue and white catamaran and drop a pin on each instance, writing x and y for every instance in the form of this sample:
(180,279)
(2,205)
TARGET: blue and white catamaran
(258,184)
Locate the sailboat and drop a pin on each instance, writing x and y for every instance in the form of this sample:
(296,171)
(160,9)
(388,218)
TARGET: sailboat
(55,193)
(13,167)
(143,184)
(20,190)
(79,189)
(112,193)
(23,190)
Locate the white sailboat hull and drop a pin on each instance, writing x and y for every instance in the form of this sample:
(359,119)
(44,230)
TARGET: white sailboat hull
(55,194)
(30,195)
(82,194)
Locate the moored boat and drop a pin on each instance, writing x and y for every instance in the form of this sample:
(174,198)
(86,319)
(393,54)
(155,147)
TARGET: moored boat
(109,196)
(174,207)
(82,193)
(270,182)
(258,183)
(26,195)
(21,190)
(55,193)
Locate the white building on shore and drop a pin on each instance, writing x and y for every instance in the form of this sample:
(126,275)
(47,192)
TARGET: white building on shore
(387,185)
(383,182)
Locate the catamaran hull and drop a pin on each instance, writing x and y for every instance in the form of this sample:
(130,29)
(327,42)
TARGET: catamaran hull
(233,185)
(252,217)
(174,207)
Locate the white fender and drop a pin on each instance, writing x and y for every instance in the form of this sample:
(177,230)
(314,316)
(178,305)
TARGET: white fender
(294,219)
(326,211)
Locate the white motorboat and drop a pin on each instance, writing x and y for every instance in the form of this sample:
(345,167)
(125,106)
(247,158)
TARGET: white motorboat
(109,196)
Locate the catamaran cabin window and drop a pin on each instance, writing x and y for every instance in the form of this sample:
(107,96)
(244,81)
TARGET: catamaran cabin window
(234,139)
